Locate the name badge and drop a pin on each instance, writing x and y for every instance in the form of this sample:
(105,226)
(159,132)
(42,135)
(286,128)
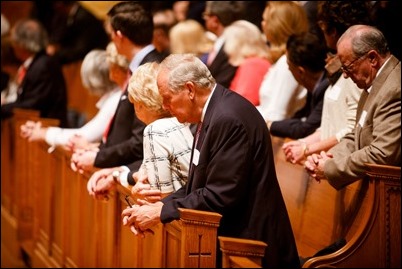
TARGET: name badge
(196,157)
(362,118)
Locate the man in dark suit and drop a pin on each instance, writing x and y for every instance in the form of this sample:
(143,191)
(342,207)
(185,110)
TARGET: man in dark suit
(218,15)
(232,168)
(131,28)
(41,85)
(376,138)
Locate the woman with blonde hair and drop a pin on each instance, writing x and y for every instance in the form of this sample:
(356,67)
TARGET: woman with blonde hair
(280,94)
(247,49)
(189,36)
(167,144)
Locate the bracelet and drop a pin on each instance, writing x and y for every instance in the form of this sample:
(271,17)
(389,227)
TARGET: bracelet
(116,175)
(305,148)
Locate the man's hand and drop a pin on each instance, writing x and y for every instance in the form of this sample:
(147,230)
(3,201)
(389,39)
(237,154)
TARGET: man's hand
(314,165)
(142,217)
(142,189)
(83,160)
(101,183)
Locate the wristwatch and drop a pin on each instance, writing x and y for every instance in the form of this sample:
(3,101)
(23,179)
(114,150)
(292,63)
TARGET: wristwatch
(116,176)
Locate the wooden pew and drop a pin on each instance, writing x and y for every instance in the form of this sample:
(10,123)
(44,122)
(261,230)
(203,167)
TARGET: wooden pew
(376,243)
(75,230)
(79,99)
(320,215)
(16,217)
(62,226)
(241,253)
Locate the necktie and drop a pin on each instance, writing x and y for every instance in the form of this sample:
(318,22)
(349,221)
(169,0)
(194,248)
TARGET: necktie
(22,70)
(197,134)
(211,56)
(106,132)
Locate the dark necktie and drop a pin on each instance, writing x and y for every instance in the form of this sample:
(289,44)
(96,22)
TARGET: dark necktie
(197,135)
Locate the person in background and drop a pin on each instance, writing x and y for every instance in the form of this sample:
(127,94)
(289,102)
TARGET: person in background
(341,98)
(131,27)
(189,36)
(306,61)
(164,20)
(167,143)
(232,169)
(41,84)
(246,48)
(218,15)
(280,94)
(376,138)
(99,78)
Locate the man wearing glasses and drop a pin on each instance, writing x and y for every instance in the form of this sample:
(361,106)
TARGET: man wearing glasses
(376,138)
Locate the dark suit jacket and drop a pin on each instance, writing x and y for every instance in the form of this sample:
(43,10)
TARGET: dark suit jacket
(221,70)
(124,142)
(236,177)
(43,88)
(377,135)
(296,127)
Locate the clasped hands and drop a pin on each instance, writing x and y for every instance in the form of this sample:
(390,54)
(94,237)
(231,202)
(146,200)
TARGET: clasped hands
(314,165)
(294,151)
(144,214)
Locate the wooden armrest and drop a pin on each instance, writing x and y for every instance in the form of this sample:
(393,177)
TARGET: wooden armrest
(240,252)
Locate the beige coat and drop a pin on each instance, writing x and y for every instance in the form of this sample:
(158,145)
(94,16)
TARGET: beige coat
(377,134)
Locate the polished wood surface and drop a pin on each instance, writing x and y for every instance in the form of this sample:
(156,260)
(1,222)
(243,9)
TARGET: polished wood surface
(48,214)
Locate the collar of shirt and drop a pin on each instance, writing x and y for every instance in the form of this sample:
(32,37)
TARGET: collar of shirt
(207,103)
(136,61)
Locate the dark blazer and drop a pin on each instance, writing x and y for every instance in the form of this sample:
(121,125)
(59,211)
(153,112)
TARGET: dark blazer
(221,69)
(43,88)
(124,142)
(236,177)
(306,121)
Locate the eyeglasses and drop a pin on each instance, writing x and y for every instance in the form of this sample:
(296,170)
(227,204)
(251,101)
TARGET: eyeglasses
(349,68)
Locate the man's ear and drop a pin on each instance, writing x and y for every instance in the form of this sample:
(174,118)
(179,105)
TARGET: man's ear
(191,89)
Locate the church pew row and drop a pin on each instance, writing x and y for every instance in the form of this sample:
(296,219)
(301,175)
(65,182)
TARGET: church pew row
(57,224)
(48,213)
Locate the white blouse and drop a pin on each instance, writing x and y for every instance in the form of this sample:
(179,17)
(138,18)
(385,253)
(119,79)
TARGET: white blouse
(93,130)
(280,94)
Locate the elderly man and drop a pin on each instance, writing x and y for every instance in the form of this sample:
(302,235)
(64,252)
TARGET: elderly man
(366,59)
(232,168)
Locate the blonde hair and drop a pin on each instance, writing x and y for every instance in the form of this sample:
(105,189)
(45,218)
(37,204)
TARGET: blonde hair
(142,88)
(189,36)
(281,19)
(243,39)
(115,58)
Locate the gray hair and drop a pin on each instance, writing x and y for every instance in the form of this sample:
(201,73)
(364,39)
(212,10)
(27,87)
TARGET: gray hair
(95,72)
(30,35)
(186,67)
(226,11)
(365,38)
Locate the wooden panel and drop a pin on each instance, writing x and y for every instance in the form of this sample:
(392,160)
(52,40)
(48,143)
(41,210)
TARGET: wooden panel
(376,240)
